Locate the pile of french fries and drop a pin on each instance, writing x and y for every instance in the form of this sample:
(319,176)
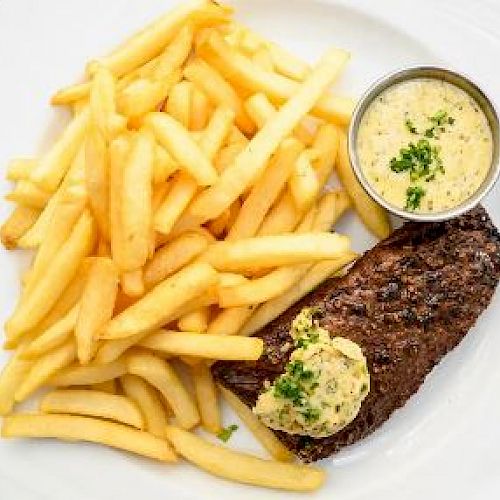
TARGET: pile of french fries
(181,210)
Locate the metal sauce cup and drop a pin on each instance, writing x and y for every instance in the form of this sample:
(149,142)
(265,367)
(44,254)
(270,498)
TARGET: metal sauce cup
(456,79)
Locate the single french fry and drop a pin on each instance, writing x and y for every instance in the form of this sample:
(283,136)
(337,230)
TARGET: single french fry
(263,434)
(93,404)
(53,166)
(229,321)
(265,191)
(20,168)
(97,178)
(326,143)
(371,213)
(175,53)
(195,321)
(217,131)
(304,184)
(218,91)
(110,350)
(179,102)
(44,368)
(200,110)
(276,250)
(76,428)
(71,94)
(132,283)
(150,41)
(242,72)
(206,397)
(96,306)
(11,377)
(250,164)
(19,222)
(161,375)
(182,147)
(173,256)
(288,64)
(164,165)
(242,467)
(273,308)
(331,207)
(148,401)
(63,268)
(28,194)
(90,374)
(282,218)
(262,58)
(158,305)
(54,336)
(136,208)
(204,345)
(227,155)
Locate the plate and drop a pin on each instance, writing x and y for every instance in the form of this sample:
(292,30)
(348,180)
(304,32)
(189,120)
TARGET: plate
(444,442)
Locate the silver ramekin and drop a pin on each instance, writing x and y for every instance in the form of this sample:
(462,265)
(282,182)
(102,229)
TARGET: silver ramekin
(460,81)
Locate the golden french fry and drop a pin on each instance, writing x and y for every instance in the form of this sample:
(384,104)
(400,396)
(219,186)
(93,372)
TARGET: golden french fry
(76,428)
(93,404)
(265,191)
(44,368)
(72,94)
(227,155)
(53,166)
(242,72)
(17,225)
(136,207)
(175,54)
(229,321)
(97,178)
(173,256)
(250,164)
(11,377)
(150,41)
(331,207)
(204,345)
(276,250)
(179,102)
(326,143)
(51,285)
(200,110)
(218,91)
(132,283)
(195,321)
(158,305)
(111,350)
(263,434)
(160,374)
(315,275)
(287,64)
(89,374)
(262,58)
(242,467)
(182,147)
(28,194)
(96,306)
(206,396)
(217,131)
(282,218)
(304,184)
(164,165)
(371,213)
(148,401)
(54,336)
(20,168)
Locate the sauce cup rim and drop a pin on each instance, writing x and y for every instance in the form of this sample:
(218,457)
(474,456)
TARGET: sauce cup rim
(438,73)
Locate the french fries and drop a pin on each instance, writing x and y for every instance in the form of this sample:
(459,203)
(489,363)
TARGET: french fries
(161,375)
(272,251)
(264,435)
(11,377)
(76,428)
(148,401)
(206,397)
(244,468)
(16,226)
(205,345)
(89,374)
(28,194)
(93,404)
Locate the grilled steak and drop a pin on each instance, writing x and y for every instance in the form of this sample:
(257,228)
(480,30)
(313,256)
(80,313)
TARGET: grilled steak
(407,302)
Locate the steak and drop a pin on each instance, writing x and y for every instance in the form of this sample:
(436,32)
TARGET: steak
(407,302)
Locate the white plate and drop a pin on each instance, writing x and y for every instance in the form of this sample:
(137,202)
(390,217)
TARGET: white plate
(444,443)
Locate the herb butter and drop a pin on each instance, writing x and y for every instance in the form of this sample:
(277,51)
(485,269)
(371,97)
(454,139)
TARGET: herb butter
(323,386)
(425,145)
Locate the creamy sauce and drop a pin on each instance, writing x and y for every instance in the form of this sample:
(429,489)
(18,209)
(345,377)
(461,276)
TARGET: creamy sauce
(323,386)
(448,121)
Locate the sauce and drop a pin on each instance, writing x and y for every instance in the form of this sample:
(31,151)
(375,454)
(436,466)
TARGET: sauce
(425,145)
(323,386)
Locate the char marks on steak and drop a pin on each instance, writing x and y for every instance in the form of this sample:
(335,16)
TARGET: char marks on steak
(407,302)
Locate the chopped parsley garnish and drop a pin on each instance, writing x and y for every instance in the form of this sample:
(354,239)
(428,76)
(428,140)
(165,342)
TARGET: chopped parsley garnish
(311,414)
(420,160)
(226,433)
(414,195)
(288,388)
(296,369)
(439,120)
